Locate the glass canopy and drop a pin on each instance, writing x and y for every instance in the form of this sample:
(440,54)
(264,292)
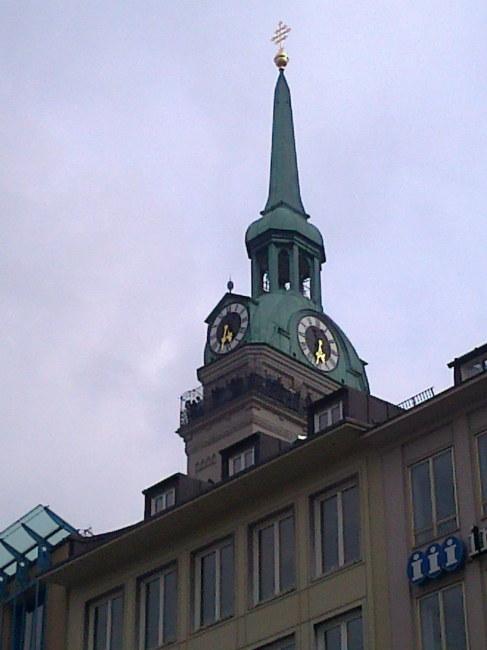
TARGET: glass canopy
(22,539)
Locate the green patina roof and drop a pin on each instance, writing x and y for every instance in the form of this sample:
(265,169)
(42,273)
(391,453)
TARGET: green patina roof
(284,209)
(281,218)
(274,315)
(274,320)
(284,180)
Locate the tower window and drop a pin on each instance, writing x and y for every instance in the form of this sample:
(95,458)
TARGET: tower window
(304,275)
(263,266)
(283,270)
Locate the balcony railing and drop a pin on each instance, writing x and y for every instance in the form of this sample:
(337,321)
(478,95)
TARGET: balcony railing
(417,399)
(195,404)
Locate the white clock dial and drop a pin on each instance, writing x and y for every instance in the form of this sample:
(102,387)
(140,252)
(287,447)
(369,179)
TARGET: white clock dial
(317,343)
(228,328)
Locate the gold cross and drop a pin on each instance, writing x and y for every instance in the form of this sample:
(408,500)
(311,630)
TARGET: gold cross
(280,34)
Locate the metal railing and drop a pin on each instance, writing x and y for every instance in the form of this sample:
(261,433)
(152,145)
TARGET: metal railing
(196,404)
(424,396)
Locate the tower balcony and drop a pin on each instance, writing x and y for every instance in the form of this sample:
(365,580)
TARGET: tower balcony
(197,402)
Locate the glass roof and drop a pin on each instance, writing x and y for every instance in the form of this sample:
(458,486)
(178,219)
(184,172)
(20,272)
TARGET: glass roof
(45,526)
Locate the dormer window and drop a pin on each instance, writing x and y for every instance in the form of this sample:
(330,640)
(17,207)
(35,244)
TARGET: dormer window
(474,367)
(329,416)
(164,501)
(241,461)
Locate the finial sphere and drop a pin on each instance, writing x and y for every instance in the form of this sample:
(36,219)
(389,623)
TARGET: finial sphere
(281,59)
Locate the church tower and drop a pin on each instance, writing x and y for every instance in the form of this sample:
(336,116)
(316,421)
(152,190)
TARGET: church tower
(268,355)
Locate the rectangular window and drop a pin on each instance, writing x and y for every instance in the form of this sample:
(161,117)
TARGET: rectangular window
(241,461)
(214,572)
(164,501)
(337,528)
(329,416)
(442,616)
(158,609)
(344,633)
(274,557)
(434,502)
(482,452)
(106,624)
(28,632)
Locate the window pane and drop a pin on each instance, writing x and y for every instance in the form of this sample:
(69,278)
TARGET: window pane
(226,581)
(170,498)
(116,636)
(28,618)
(423,511)
(266,562)
(335,413)
(100,631)
(249,458)
(351,524)
(333,638)
(454,618)
(152,603)
(323,420)
(444,490)
(286,553)
(208,588)
(329,533)
(355,637)
(170,606)
(38,627)
(237,464)
(430,623)
(482,447)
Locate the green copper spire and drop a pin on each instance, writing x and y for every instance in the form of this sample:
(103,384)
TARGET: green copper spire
(284,181)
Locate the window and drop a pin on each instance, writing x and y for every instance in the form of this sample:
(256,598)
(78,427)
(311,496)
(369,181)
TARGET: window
(442,617)
(214,572)
(337,528)
(482,451)
(473,368)
(106,623)
(329,416)
(164,501)
(29,625)
(158,609)
(433,491)
(241,461)
(274,557)
(345,633)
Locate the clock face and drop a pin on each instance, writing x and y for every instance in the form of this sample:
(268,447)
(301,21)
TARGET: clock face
(228,328)
(317,343)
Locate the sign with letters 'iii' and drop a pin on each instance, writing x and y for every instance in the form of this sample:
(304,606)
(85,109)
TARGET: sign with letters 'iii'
(437,558)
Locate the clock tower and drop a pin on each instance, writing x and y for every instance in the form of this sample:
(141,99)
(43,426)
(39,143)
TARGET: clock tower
(268,355)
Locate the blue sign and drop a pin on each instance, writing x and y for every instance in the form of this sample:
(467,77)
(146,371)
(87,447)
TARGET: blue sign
(436,559)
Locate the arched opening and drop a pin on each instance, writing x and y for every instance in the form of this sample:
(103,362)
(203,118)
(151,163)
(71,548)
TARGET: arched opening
(263,269)
(283,270)
(304,275)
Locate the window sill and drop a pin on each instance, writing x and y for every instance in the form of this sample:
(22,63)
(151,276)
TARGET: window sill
(339,569)
(437,538)
(272,599)
(210,626)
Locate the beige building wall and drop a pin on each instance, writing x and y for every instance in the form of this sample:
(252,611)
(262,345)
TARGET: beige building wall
(288,482)
(452,420)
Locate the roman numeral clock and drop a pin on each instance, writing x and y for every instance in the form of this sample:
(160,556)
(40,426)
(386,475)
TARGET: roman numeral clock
(317,343)
(228,328)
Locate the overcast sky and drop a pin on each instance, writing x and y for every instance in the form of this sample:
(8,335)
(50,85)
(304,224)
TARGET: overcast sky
(134,152)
